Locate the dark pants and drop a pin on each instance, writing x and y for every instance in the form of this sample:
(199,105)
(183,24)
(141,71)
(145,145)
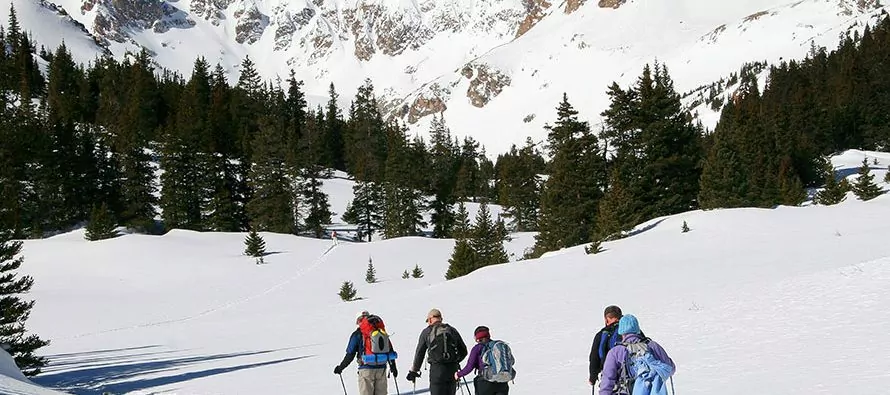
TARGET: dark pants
(442,378)
(488,388)
(443,388)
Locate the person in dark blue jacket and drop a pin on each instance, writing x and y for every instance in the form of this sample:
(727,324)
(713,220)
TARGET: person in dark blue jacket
(371,378)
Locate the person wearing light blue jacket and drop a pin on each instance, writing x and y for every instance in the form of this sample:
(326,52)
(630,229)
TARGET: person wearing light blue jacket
(645,376)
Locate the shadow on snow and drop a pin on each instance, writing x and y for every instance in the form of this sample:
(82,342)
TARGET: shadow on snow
(89,374)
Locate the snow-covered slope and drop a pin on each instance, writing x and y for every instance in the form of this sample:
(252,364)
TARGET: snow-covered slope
(495,68)
(741,302)
(51,25)
(13,382)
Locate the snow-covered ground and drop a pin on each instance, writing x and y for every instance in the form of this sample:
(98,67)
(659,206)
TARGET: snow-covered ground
(750,301)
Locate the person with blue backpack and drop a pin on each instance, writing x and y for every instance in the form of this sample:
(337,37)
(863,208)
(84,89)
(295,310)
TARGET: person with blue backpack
(370,346)
(637,365)
(603,341)
(493,361)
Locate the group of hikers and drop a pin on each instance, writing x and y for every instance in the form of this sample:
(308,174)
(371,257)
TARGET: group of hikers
(622,359)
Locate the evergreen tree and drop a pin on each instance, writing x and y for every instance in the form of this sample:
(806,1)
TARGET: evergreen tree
(595,247)
(184,184)
(518,186)
(271,207)
(315,200)
(255,246)
(14,312)
(333,150)
(835,191)
(347,291)
(102,225)
(365,209)
(443,168)
(463,259)
(685,227)
(402,202)
(371,273)
(417,272)
(575,184)
(617,211)
(487,241)
(365,137)
(865,187)
(887,176)
(405,275)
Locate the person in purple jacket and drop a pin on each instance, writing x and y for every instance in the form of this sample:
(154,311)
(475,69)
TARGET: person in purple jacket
(629,329)
(483,387)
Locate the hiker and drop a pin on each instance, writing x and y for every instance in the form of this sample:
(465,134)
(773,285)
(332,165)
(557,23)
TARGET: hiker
(334,237)
(446,351)
(637,365)
(493,362)
(371,372)
(604,340)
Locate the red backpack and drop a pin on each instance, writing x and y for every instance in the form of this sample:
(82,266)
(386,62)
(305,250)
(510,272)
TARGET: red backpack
(377,346)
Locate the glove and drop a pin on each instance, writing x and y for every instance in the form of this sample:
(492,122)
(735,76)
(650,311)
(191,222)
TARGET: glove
(338,369)
(395,372)
(412,376)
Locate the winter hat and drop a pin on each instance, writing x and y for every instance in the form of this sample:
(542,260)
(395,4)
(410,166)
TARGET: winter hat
(628,325)
(481,333)
(361,315)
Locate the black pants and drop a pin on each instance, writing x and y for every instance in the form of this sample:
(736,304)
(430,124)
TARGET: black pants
(443,388)
(488,388)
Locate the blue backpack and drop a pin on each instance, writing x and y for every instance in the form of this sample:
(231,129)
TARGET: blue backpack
(608,340)
(497,362)
(641,373)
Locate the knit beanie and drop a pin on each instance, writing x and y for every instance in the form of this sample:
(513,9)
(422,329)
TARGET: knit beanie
(481,333)
(628,325)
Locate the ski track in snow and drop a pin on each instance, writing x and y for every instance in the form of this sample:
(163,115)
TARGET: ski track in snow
(222,307)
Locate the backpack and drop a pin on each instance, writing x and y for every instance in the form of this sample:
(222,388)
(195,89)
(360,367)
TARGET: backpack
(497,362)
(443,345)
(639,372)
(377,348)
(608,340)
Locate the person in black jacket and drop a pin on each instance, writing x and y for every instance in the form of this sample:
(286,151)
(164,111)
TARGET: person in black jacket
(600,347)
(442,380)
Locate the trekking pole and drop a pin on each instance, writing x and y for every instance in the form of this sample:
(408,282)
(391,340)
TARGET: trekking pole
(466,385)
(396,382)
(673,391)
(343,384)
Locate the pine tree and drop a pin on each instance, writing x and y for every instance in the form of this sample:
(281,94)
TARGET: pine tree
(463,258)
(405,275)
(371,273)
(365,138)
(332,140)
(315,201)
(835,191)
(887,176)
(255,245)
(403,203)
(487,241)
(685,227)
(595,247)
(347,291)
(102,225)
(518,186)
(271,207)
(617,211)
(574,186)
(443,172)
(417,272)
(865,187)
(14,312)
(365,209)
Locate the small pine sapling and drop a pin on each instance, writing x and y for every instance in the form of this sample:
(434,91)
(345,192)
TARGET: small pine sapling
(371,274)
(417,272)
(347,291)
(887,176)
(685,227)
(594,248)
(255,245)
(405,275)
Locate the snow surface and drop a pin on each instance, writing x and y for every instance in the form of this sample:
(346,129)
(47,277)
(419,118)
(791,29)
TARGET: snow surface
(750,301)
(50,29)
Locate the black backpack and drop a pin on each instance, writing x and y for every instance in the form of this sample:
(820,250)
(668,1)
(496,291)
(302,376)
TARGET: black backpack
(443,345)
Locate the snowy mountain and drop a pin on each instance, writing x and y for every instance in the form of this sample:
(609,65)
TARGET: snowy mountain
(741,302)
(496,69)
